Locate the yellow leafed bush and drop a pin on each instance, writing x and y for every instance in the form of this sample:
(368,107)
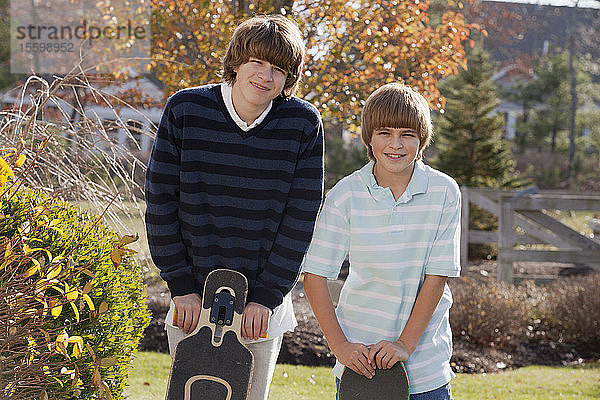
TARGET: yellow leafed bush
(72,312)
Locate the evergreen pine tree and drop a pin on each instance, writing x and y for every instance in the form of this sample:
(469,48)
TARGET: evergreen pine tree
(469,137)
(550,95)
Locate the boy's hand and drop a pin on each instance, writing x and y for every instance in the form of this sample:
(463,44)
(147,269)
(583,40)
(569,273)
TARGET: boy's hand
(385,354)
(255,321)
(187,309)
(356,357)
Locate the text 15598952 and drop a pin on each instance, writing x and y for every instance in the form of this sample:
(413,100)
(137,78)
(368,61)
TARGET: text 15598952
(56,47)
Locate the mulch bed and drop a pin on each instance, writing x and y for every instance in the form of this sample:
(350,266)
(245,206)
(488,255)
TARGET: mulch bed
(307,346)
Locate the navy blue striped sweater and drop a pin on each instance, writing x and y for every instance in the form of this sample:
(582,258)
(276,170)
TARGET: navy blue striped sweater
(219,197)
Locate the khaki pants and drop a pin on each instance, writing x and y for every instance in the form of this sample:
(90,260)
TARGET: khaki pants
(265,357)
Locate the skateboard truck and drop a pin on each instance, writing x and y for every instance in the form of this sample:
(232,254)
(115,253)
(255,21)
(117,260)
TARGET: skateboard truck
(222,310)
(212,362)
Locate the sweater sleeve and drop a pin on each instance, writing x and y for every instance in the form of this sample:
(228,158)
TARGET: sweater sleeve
(282,268)
(162,204)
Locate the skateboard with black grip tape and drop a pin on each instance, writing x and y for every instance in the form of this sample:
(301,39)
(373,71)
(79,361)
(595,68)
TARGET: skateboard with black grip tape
(212,363)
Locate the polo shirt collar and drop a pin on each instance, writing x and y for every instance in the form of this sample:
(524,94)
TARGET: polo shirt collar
(418,184)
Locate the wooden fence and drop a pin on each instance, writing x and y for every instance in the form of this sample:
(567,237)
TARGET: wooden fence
(528,210)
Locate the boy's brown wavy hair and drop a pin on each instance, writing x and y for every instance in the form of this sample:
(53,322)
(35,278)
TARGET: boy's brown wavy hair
(272,38)
(396,105)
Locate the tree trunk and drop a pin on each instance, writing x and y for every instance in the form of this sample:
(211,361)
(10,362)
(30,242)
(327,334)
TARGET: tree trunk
(573,92)
(523,132)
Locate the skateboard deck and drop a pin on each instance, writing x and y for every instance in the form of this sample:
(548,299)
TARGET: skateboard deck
(387,384)
(212,363)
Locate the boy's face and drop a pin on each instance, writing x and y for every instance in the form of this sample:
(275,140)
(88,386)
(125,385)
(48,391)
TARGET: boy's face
(257,82)
(395,151)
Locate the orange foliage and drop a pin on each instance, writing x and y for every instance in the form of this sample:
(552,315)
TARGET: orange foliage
(353,47)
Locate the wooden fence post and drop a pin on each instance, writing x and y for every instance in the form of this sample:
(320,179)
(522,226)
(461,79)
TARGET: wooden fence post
(506,240)
(464,228)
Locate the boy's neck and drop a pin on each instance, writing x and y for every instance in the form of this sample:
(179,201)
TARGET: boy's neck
(247,112)
(396,182)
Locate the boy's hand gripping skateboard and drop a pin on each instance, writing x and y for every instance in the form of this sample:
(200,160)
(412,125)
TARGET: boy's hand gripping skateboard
(212,363)
(387,384)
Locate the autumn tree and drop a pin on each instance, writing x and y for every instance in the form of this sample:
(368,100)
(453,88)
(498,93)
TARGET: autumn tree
(353,47)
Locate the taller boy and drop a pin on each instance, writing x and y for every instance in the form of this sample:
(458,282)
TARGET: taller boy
(235,181)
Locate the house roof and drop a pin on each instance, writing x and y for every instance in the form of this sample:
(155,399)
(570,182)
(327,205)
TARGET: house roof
(527,28)
(595,4)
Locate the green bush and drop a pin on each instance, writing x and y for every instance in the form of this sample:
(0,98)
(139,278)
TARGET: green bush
(71,317)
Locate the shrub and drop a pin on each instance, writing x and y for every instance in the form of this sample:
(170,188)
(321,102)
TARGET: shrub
(572,311)
(71,317)
(492,313)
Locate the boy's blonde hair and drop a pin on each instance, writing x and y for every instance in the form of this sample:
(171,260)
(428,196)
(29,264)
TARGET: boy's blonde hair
(271,38)
(396,106)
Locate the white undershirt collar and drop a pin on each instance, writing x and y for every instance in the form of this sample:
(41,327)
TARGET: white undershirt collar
(226,90)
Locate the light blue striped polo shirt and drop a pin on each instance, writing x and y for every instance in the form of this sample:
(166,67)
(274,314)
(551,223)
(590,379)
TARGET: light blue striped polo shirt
(391,245)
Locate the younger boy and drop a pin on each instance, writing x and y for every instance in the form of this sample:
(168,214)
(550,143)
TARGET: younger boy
(398,221)
(235,181)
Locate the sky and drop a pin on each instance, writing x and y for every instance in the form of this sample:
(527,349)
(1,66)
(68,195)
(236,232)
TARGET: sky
(556,3)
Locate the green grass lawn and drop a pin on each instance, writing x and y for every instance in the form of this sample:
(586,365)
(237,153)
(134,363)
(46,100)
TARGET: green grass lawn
(577,220)
(148,381)
(532,383)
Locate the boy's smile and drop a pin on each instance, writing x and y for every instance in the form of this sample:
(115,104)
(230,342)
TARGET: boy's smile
(259,86)
(257,82)
(395,156)
(395,151)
